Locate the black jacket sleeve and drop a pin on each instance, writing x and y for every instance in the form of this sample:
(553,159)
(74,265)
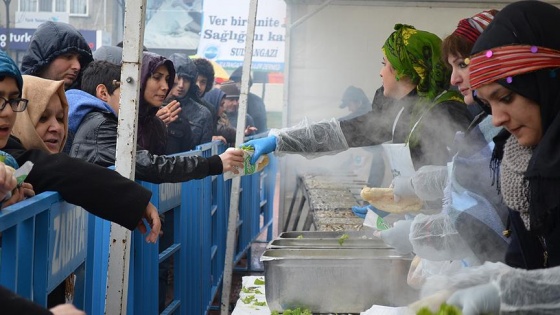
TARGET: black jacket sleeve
(12,304)
(96,142)
(98,190)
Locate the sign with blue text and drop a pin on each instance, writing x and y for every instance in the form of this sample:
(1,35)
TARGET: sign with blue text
(224,31)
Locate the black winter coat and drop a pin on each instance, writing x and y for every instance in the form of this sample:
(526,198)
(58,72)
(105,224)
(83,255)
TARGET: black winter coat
(96,142)
(101,191)
(13,304)
(527,249)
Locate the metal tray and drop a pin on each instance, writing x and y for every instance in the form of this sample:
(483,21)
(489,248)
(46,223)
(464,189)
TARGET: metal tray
(328,235)
(332,243)
(336,281)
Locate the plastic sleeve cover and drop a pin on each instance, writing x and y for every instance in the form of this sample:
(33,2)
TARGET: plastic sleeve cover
(311,139)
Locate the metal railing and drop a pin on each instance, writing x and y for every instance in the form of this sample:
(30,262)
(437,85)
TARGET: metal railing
(45,240)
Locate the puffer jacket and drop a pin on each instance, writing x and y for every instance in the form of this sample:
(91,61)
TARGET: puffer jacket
(53,39)
(96,142)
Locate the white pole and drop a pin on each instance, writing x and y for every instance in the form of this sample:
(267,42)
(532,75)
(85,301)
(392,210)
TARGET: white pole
(234,199)
(119,247)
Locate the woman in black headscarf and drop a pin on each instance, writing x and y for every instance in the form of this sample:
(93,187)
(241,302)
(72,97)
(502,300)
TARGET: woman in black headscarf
(514,72)
(511,60)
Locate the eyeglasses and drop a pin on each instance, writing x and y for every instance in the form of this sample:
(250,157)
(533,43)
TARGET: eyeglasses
(17,104)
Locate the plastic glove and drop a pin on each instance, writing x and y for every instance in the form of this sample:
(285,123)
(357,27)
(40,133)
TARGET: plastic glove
(402,187)
(262,146)
(480,299)
(398,236)
(361,211)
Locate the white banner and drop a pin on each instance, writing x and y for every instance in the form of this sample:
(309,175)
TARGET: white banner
(224,31)
(33,19)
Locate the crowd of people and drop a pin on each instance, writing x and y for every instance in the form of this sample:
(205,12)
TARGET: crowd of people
(61,115)
(473,120)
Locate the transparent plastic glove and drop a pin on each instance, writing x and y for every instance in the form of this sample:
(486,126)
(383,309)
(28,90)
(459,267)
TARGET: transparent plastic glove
(361,211)
(398,236)
(480,299)
(402,187)
(262,146)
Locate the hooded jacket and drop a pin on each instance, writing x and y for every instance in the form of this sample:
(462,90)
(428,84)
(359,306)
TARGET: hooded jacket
(152,132)
(199,117)
(112,54)
(105,193)
(95,141)
(214,97)
(53,39)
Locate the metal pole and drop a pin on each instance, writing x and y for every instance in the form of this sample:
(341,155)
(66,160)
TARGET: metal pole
(240,135)
(120,238)
(7,3)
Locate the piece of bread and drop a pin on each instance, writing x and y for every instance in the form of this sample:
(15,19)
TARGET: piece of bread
(383,199)
(263,162)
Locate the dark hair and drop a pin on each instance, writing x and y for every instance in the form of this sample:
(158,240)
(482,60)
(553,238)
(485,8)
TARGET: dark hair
(100,72)
(455,45)
(206,70)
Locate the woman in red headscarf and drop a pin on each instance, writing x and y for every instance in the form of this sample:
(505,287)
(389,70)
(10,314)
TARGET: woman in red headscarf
(514,73)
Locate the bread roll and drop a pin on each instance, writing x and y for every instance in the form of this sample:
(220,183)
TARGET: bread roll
(382,199)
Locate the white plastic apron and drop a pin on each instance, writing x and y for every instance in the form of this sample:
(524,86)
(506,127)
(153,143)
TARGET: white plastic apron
(398,154)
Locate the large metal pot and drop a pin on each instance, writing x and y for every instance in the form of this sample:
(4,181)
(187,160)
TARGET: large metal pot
(341,280)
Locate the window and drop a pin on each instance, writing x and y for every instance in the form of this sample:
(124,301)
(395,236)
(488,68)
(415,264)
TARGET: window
(73,7)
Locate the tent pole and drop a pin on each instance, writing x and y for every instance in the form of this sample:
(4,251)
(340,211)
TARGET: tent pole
(120,238)
(236,181)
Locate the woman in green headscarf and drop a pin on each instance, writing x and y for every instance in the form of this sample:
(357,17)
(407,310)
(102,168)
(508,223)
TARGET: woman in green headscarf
(424,115)
(414,73)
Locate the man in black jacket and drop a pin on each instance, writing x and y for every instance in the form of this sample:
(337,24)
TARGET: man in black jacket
(93,118)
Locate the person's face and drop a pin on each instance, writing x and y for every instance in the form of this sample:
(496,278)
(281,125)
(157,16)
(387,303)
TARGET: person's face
(221,108)
(519,115)
(460,77)
(389,80)
(157,87)
(180,87)
(50,126)
(65,67)
(114,100)
(202,82)
(8,90)
(231,105)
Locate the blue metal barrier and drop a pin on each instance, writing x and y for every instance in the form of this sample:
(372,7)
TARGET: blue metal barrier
(45,239)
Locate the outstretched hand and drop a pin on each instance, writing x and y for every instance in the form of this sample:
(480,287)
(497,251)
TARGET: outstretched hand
(66,309)
(152,216)
(398,236)
(232,160)
(169,113)
(8,180)
(480,299)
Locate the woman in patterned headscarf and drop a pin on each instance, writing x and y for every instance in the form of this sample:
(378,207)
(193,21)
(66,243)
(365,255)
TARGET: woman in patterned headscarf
(416,78)
(413,71)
